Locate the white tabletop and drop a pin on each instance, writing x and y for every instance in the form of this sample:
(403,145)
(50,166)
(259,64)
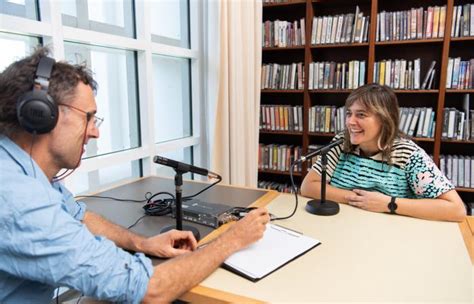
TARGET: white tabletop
(364,257)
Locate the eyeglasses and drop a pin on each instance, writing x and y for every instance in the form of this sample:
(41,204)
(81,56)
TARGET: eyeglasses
(97,120)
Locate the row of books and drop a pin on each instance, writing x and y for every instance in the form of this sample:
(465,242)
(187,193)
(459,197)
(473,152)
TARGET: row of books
(415,23)
(282,76)
(326,119)
(418,122)
(463,20)
(332,75)
(280,33)
(281,118)
(348,28)
(278,157)
(457,124)
(280,187)
(460,74)
(458,169)
(403,74)
(396,73)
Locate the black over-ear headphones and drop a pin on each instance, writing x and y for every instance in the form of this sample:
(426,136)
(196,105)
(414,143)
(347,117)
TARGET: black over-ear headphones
(36,110)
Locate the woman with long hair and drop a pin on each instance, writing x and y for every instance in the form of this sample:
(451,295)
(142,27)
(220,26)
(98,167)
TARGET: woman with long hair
(377,168)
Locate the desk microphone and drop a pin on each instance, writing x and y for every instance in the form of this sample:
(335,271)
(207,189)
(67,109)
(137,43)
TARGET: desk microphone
(183,168)
(321,150)
(322,206)
(180,169)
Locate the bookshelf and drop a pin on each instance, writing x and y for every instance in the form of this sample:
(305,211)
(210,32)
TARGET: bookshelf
(371,51)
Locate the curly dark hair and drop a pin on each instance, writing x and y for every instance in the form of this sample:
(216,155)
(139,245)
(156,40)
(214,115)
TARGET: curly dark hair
(18,78)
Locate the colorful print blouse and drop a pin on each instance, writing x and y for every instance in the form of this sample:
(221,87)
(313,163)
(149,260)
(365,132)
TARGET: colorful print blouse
(412,173)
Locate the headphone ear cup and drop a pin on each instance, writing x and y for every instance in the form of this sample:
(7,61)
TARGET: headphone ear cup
(37,112)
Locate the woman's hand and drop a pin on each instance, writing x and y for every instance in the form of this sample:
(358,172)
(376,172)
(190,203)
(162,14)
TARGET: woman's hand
(371,201)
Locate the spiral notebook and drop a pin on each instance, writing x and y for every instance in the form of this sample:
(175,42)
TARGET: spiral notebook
(278,247)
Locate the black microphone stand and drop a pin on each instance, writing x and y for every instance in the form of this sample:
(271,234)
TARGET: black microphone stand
(178,182)
(322,206)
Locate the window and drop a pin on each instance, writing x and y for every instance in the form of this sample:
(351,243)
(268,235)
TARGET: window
(147,70)
(115,72)
(170,22)
(20,8)
(15,47)
(91,181)
(113,17)
(171,78)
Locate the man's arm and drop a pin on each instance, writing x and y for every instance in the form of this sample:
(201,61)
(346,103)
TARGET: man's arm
(168,244)
(120,236)
(178,275)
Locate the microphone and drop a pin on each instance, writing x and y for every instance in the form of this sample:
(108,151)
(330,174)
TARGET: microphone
(322,206)
(321,150)
(183,168)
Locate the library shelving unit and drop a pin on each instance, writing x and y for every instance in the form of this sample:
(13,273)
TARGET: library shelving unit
(372,51)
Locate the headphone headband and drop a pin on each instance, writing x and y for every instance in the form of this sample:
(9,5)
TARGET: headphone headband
(43,72)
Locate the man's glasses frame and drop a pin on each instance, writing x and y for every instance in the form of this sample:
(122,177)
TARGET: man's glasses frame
(89,115)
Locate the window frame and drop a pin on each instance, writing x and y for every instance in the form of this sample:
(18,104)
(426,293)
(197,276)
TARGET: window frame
(55,34)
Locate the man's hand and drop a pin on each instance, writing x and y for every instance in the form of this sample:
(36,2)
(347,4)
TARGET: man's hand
(169,244)
(371,201)
(249,229)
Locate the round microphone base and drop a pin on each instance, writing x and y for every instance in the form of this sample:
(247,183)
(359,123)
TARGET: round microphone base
(322,208)
(194,230)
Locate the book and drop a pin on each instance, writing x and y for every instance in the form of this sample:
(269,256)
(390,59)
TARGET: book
(427,76)
(431,80)
(442,21)
(435,22)
(278,247)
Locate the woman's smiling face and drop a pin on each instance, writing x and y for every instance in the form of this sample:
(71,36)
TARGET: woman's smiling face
(364,128)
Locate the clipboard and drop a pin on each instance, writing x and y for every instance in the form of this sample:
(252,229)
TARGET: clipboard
(278,247)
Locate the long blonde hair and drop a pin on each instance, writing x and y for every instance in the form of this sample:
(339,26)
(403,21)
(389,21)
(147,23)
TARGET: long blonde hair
(381,101)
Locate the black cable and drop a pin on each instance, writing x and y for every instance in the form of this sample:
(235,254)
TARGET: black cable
(295,190)
(219,179)
(136,222)
(78,300)
(159,207)
(147,196)
(31,153)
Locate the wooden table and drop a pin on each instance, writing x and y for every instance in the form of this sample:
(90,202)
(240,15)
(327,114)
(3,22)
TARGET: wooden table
(364,256)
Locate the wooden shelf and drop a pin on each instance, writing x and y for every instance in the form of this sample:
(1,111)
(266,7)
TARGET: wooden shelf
(282,91)
(439,49)
(414,41)
(338,45)
(280,132)
(425,139)
(288,48)
(293,2)
(456,141)
(469,190)
(321,134)
(345,91)
(416,91)
(332,91)
(455,39)
(279,172)
(460,91)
